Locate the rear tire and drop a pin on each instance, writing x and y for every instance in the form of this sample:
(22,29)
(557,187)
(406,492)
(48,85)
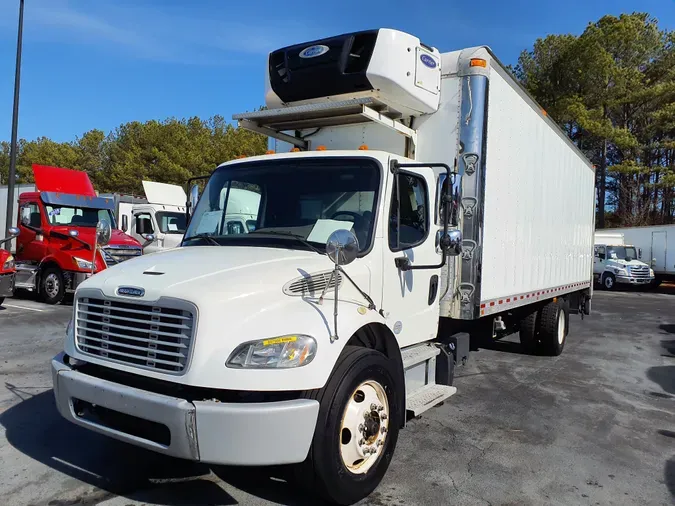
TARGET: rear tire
(52,287)
(336,466)
(553,327)
(528,334)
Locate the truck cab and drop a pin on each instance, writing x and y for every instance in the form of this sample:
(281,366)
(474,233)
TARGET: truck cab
(162,215)
(616,263)
(56,248)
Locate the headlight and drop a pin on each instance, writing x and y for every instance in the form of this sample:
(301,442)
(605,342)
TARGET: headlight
(82,264)
(277,353)
(622,272)
(9,264)
(651,273)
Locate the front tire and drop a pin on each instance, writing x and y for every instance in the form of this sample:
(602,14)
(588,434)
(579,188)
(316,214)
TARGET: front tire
(52,287)
(357,427)
(608,281)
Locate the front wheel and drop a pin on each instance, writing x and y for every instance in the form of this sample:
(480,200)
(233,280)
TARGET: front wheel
(608,281)
(52,288)
(357,427)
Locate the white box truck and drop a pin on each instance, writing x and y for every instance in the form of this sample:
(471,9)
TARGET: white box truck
(655,246)
(616,261)
(18,189)
(408,210)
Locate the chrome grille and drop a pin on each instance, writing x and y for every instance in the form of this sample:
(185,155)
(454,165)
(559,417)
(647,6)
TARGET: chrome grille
(116,254)
(152,337)
(639,271)
(312,285)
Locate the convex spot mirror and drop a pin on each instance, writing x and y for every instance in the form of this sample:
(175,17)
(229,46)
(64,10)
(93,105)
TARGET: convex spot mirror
(342,247)
(103,232)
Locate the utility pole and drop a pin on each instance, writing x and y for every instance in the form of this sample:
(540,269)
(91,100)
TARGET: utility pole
(15,125)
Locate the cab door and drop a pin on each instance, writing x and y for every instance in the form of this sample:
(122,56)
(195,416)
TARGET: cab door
(410,298)
(31,245)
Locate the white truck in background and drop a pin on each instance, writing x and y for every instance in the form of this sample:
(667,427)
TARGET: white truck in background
(408,215)
(616,261)
(656,247)
(160,213)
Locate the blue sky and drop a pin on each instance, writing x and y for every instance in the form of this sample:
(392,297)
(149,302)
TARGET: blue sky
(100,63)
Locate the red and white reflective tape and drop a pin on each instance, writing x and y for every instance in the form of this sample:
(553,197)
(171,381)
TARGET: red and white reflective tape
(521,299)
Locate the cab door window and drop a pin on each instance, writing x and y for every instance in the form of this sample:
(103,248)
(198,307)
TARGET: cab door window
(414,212)
(31,216)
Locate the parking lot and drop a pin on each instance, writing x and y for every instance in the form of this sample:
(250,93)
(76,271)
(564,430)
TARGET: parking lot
(594,426)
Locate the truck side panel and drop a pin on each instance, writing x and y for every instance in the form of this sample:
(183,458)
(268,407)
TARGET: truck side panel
(538,208)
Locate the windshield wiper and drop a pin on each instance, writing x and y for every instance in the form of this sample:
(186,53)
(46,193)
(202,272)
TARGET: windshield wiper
(207,237)
(297,237)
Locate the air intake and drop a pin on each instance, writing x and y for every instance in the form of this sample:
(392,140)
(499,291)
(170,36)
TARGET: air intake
(312,285)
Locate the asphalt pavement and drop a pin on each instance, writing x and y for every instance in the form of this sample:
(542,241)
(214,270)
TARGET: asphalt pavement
(594,426)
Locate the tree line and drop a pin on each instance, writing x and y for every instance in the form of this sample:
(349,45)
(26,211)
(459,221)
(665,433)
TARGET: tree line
(168,151)
(612,89)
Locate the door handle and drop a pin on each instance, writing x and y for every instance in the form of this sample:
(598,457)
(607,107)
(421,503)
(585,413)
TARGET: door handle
(433,289)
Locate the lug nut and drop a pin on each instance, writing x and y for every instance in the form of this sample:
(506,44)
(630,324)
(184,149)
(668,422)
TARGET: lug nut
(380,408)
(383,416)
(361,427)
(373,407)
(361,442)
(383,430)
(379,443)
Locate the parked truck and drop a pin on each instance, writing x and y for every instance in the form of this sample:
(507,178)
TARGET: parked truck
(7,267)
(161,213)
(617,262)
(55,248)
(424,197)
(655,246)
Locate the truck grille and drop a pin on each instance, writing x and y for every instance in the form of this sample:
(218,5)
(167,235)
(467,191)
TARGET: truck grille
(147,336)
(116,254)
(639,271)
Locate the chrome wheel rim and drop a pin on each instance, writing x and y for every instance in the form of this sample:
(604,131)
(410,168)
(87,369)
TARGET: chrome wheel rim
(364,427)
(52,285)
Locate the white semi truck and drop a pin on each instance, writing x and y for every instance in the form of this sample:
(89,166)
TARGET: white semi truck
(616,261)
(161,213)
(655,247)
(406,211)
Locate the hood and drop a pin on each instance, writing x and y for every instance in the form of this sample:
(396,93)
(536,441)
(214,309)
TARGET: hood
(163,193)
(87,234)
(208,275)
(619,262)
(59,180)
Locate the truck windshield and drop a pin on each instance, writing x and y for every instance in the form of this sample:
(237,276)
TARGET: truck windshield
(77,216)
(627,253)
(170,222)
(293,204)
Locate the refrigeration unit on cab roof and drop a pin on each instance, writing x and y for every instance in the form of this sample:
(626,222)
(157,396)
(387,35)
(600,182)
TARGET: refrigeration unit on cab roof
(390,67)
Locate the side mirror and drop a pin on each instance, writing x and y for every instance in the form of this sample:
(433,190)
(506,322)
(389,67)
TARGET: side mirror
(450,243)
(125,223)
(194,198)
(73,233)
(342,247)
(13,232)
(103,232)
(149,239)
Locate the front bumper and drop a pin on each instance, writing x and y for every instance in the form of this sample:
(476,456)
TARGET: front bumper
(7,284)
(628,280)
(266,433)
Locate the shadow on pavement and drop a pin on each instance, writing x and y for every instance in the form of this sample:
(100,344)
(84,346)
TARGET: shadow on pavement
(669,473)
(664,376)
(35,428)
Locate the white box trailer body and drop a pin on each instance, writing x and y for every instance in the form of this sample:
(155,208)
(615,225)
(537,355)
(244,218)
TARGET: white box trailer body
(466,209)
(18,189)
(657,245)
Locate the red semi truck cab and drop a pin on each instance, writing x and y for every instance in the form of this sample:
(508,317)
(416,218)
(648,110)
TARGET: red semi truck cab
(56,246)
